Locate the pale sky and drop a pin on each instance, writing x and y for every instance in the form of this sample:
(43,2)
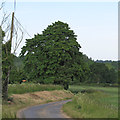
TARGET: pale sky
(95,23)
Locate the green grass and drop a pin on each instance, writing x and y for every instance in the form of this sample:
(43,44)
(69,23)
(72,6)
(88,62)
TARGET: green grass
(9,111)
(30,87)
(95,102)
(111,93)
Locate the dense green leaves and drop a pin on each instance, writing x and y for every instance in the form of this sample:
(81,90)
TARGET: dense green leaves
(17,73)
(102,74)
(52,55)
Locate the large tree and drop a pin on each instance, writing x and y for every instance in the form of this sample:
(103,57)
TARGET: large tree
(50,57)
(6,66)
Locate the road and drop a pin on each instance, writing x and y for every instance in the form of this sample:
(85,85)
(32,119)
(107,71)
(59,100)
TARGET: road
(49,110)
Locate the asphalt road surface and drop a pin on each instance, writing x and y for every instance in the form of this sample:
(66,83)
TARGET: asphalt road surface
(49,110)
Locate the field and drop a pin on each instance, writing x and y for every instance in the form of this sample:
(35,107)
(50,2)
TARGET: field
(30,87)
(93,102)
(24,95)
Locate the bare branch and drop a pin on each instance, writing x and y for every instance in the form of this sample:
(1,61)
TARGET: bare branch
(3,3)
(4,19)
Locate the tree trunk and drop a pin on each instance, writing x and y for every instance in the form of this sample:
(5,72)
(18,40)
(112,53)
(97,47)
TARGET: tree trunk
(6,82)
(66,86)
(5,86)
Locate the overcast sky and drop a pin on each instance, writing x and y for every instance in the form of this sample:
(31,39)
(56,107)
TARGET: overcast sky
(95,23)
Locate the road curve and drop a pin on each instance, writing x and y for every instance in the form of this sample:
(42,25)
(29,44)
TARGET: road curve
(49,110)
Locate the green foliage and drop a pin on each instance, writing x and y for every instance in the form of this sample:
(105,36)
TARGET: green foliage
(53,56)
(101,74)
(17,73)
(110,64)
(13,64)
(87,60)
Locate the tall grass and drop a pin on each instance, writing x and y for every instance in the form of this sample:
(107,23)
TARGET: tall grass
(90,106)
(30,87)
(93,102)
(111,93)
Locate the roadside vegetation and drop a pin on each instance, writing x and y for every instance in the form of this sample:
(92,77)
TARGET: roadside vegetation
(25,95)
(31,87)
(93,102)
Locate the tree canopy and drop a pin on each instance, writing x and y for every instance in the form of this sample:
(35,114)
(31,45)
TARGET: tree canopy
(52,55)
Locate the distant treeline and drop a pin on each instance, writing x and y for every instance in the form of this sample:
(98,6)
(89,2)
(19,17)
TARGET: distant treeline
(110,64)
(101,72)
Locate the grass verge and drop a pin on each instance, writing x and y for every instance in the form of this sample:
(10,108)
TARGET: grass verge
(93,102)
(110,92)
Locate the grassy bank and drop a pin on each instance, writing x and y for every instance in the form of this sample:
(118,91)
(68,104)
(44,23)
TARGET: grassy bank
(23,95)
(29,99)
(93,102)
